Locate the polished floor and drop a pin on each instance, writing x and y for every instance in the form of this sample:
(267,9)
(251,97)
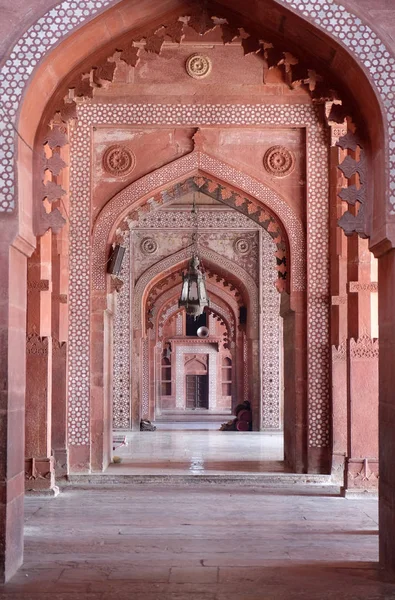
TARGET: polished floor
(185,449)
(200,542)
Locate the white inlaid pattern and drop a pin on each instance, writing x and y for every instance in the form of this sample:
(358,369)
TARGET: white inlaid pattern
(121,367)
(270,338)
(79,292)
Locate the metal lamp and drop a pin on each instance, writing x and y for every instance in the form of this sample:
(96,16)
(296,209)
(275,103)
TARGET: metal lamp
(193,292)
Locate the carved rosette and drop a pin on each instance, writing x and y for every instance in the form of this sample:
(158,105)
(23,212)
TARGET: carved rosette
(148,246)
(198,66)
(242,246)
(119,161)
(279,161)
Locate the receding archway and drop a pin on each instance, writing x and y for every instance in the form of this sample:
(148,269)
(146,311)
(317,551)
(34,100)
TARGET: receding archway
(25,190)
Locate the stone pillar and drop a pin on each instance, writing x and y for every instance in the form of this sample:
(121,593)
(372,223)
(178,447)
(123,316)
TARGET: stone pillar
(295,382)
(339,327)
(101,380)
(386,282)
(255,382)
(362,455)
(12,395)
(39,462)
(60,323)
(59,408)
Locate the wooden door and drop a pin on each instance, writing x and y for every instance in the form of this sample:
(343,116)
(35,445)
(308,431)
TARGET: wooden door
(196,391)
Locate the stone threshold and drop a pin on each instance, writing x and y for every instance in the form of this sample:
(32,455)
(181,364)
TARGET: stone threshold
(261,479)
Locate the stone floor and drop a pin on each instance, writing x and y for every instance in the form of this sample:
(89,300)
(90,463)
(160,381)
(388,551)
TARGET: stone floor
(185,451)
(200,543)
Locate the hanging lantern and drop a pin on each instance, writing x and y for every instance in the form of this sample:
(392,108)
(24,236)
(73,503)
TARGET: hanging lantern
(193,292)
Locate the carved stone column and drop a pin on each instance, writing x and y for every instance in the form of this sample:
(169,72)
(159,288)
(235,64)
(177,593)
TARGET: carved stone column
(339,326)
(386,280)
(13,253)
(101,381)
(39,462)
(295,383)
(362,458)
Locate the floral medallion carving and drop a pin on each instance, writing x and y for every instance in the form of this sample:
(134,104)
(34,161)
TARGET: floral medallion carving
(242,246)
(279,161)
(148,246)
(118,161)
(198,66)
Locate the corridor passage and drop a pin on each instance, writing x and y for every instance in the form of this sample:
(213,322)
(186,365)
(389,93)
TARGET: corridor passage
(185,449)
(199,542)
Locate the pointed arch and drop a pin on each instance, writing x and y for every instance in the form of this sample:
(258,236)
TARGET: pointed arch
(244,279)
(141,193)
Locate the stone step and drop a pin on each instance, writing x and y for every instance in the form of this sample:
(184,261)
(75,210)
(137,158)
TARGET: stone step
(271,480)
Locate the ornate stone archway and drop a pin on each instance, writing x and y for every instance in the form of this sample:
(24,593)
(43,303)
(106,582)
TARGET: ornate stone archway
(315,11)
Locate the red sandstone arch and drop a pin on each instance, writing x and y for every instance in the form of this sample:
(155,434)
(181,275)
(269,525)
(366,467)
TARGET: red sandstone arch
(122,17)
(130,199)
(19,231)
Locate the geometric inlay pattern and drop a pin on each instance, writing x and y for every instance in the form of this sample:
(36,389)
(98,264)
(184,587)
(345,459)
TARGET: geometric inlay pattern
(121,348)
(271,415)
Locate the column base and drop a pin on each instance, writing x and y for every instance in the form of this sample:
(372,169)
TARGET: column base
(52,493)
(40,476)
(362,478)
(359,493)
(61,462)
(338,469)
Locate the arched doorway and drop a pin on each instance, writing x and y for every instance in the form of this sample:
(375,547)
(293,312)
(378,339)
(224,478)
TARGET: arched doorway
(77,427)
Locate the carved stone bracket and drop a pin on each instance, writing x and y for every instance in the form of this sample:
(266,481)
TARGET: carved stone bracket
(353,194)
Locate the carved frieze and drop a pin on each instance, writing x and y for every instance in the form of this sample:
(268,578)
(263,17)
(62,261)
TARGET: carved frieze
(362,473)
(339,353)
(339,300)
